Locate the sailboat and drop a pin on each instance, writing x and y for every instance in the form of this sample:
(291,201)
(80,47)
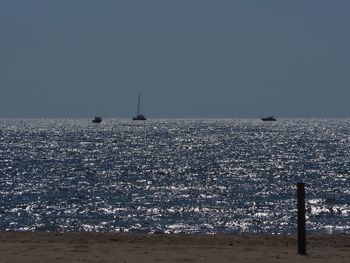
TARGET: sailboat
(139,115)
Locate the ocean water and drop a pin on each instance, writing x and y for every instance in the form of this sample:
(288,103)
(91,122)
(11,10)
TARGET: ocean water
(174,176)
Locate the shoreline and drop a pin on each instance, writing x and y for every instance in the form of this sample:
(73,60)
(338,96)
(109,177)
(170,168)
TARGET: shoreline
(125,247)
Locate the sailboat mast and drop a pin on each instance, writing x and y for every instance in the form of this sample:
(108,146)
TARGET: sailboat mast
(138,104)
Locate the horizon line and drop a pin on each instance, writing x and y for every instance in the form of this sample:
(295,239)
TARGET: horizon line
(155,118)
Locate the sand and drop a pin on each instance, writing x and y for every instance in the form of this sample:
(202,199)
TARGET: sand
(114,247)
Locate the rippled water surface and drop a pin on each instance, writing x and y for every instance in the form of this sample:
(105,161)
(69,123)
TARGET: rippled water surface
(174,176)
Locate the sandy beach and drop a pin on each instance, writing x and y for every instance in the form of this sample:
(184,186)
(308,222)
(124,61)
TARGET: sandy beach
(114,247)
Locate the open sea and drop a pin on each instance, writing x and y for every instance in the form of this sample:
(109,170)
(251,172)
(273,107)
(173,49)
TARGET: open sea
(174,176)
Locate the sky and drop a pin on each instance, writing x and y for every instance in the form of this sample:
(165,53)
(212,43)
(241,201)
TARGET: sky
(188,58)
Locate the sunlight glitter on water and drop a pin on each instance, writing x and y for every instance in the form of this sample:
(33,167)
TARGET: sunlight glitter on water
(182,176)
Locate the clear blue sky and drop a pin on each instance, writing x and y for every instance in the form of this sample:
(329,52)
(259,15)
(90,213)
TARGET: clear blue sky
(188,58)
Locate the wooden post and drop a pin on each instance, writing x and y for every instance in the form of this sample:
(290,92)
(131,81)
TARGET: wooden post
(301,220)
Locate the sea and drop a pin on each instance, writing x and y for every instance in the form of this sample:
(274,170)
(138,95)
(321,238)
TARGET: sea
(190,176)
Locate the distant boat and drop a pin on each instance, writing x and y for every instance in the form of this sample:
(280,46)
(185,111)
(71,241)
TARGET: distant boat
(97,120)
(139,115)
(269,119)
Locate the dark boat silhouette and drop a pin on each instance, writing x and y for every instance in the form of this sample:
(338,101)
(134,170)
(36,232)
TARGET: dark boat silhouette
(139,115)
(269,119)
(97,120)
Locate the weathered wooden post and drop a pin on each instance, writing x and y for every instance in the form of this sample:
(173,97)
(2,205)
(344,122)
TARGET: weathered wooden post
(301,219)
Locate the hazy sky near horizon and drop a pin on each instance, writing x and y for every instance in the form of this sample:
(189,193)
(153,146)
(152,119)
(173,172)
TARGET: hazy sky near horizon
(188,58)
